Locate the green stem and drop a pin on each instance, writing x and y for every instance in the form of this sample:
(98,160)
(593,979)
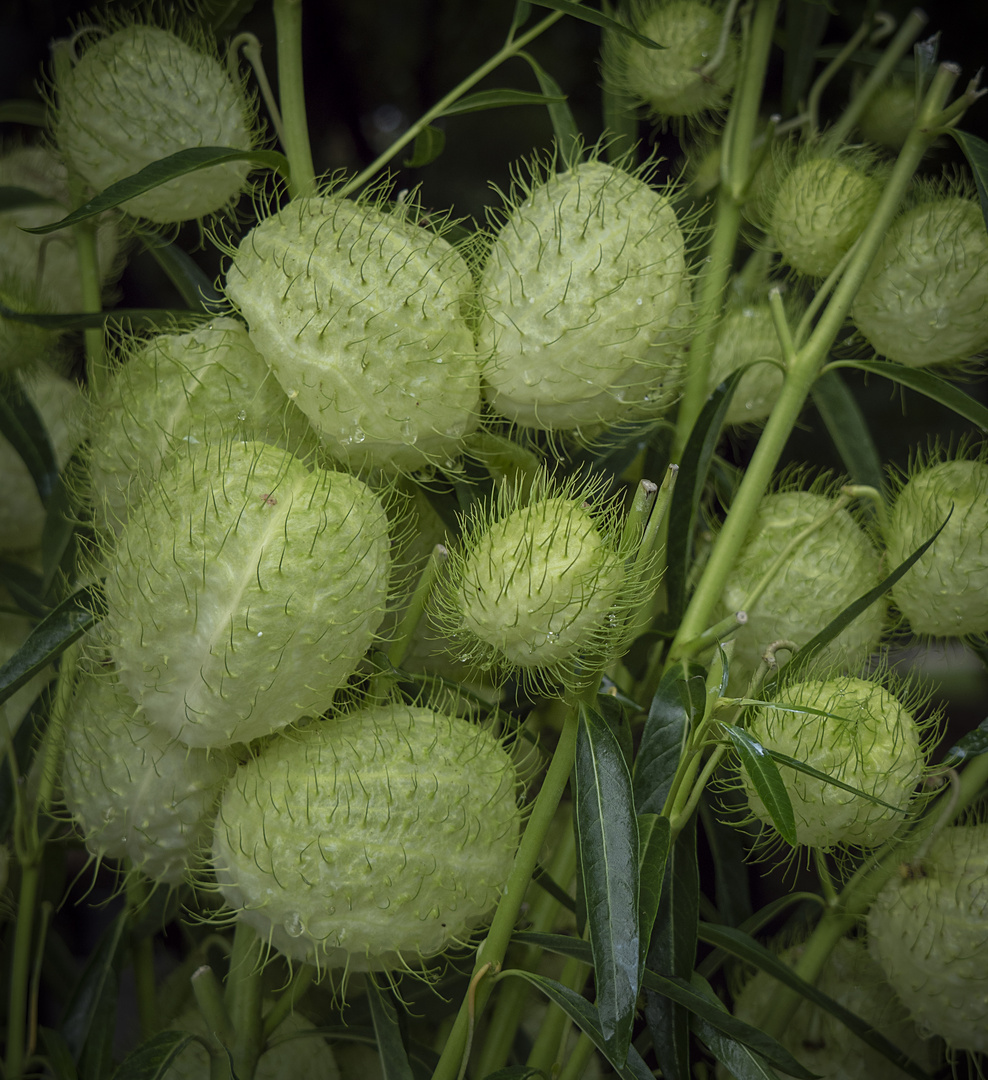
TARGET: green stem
(142,957)
(291,95)
(578,1061)
(284,1005)
(20,968)
(243,999)
(806,365)
(493,948)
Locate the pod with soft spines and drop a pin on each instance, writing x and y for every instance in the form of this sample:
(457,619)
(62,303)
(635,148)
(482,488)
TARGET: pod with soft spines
(244,590)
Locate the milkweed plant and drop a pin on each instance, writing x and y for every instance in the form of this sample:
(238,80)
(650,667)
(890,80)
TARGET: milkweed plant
(496,639)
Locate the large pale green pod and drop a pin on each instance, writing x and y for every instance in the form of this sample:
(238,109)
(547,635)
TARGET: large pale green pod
(580,290)
(195,386)
(138,94)
(244,590)
(370,840)
(362,316)
(135,792)
(926,929)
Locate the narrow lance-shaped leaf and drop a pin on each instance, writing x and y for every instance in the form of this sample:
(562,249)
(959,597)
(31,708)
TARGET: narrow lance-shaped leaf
(848,430)
(14,198)
(764,774)
(563,122)
(664,735)
(394,1060)
(429,144)
(976,152)
(23,428)
(654,839)
(500,99)
(588,14)
(607,831)
(152,1059)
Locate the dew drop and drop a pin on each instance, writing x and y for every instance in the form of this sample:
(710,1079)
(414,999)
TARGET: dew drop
(639,301)
(260,633)
(293,925)
(242,415)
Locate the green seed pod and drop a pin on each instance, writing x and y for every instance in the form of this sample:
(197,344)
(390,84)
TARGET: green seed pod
(746,336)
(679,80)
(818,1040)
(369,841)
(924,299)
(926,930)
(536,584)
(889,115)
(819,576)
(175,388)
(134,792)
(869,740)
(362,315)
(243,591)
(945,593)
(580,290)
(819,208)
(139,93)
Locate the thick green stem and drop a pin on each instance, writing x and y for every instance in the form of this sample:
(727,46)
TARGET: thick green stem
(806,365)
(243,1000)
(493,948)
(291,97)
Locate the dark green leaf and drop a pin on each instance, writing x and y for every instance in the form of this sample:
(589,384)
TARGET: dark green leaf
(968,746)
(137,318)
(741,1061)
(223,16)
(96,1059)
(553,888)
(26,740)
(620,114)
(615,714)
(808,770)
(663,737)
(924,382)
(745,948)
(848,429)
(499,99)
(97,981)
(686,495)
(587,14)
(194,286)
(520,16)
(693,1001)
(14,198)
(806,24)
(763,773)
(49,639)
(384,1016)
(516,1072)
(672,952)
(429,144)
(13,111)
(160,172)
(21,425)
(24,587)
(607,832)
(58,1054)
(575,948)
(655,836)
(563,122)
(151,1060)
(584,1015)
(976,152)
(58,547)
(731,892)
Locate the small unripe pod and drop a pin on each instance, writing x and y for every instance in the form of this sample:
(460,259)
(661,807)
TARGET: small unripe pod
(889,115)
(134,792)
(746,336)
(869,741)
(140,93)
(370,840)
(362,316)
(945,593)
(926,929)
(580,286)
(925,297)
(243,591)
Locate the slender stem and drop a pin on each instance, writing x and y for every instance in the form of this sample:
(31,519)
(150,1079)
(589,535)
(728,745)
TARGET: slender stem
(284,1005)
(291,94)
(405,633)
(823,79)
(578,1061)
(20,969)
(142,957)
(493,948)
(243,1000)
(252,53)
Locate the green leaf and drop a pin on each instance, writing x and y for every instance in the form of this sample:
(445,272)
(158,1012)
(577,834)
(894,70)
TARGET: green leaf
(384,1016)
(976,152)
(500,99)
(923,382)
(49,639)
(742,1062)
(97,983)
(672,952)
(744,947)
(806,23)
(137,318)
(564,125)
(587,14)
(808,770)
(57,1052)
(429,144)
(684,507)
(520,16)
(14,198)
(689,998)
(193,284)
(160,172)
(223,16)
(151,1060)
(585,1016)
(757,762)
(732,894)
(22,426)
(848,429)
(607,833)
(574,948)
(654,838)
(24,586)
(27,738)
(58,539)
(14,111)
(968,746)
(663,738)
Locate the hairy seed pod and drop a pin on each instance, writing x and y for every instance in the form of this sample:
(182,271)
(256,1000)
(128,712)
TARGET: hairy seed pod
(134,792)
(361,314)
(945,593)
(925,297)
(581,286)
(746,336)
(868,740)
(371,840)
(140,93)
(926,930)
(243,591)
